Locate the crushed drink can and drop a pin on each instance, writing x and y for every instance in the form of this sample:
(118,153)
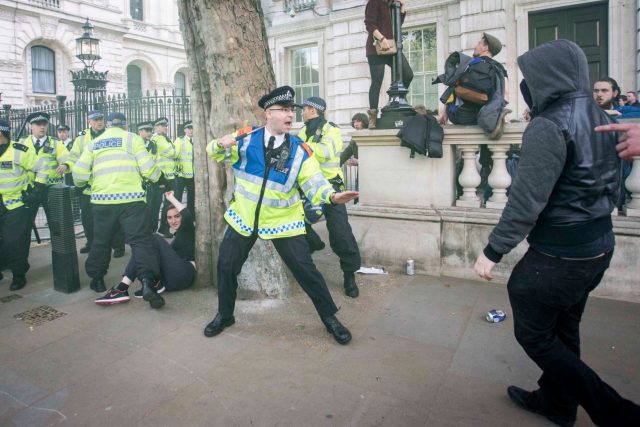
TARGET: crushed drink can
(411,270)
(495,316)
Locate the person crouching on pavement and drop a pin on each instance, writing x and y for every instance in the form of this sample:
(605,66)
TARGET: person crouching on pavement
(177,261)
(269,165)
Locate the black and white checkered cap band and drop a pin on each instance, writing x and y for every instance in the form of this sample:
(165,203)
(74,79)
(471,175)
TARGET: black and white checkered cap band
(94,116)
(5,128)
(118,122)
(39,119)
(145,127)
(285,97)
(314,105)
(161,123)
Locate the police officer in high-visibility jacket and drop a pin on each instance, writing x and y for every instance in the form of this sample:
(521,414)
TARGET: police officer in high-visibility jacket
(53,157)
(17,162)
(184,179)
(269,165)
(167,157)
(118,162)
(154,194)
(325,140)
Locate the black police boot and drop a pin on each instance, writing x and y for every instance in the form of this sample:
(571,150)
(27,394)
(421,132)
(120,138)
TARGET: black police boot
(118,253)
(350,286)
(150,294)
(339,332)
(97,284)
(533,402)
(18,283)
(217,325)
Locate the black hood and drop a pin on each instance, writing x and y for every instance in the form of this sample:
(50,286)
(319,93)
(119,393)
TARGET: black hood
(552,70)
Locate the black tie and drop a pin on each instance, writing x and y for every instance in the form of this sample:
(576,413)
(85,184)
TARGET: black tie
(269,151)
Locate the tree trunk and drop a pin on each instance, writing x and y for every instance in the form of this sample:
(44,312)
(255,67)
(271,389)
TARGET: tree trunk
(227,51)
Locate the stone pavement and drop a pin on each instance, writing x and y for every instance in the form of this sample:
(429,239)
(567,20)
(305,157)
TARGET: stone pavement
(422,355)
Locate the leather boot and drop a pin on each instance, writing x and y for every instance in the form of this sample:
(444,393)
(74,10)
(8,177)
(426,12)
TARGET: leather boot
(150,294)
(217,325)
(18,283)
(97,284)
(373,116)
(350,286)
(339,332)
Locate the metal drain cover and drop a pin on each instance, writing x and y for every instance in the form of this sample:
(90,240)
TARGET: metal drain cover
(39,315)
(11,297)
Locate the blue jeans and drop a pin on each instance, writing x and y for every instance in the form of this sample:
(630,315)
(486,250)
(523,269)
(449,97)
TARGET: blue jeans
(548,296)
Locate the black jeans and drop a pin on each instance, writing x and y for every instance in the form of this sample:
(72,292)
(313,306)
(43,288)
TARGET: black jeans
(376,68)
(294,251)
(176,274)
(15,240)
(548,296)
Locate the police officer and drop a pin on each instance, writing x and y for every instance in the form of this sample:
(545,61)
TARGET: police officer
(118,162)
(63,135)
(184,179)
(268,166)
(95,129)
(325,140)
(53,158)
(154,195)
(167,156)
(17,162)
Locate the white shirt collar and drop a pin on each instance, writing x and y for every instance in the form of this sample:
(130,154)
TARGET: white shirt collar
(279,138)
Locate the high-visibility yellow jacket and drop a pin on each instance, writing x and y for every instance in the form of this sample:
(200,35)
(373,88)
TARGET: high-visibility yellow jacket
(117,161)
(52,154)
(280,212)
(327,146)
(184,148)
(17,164)
(167,155)
(79,144)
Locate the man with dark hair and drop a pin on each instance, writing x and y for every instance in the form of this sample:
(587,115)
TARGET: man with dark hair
(561,201)
(325,140)
(632,99)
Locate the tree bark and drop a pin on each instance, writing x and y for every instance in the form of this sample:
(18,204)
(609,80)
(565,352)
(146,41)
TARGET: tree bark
(230,69)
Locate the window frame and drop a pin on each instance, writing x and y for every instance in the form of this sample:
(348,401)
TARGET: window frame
(33,69)
(175,83)
(291,71)
(132,4)
(129,94)
(430,98)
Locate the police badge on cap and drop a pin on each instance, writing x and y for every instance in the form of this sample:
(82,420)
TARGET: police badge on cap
(38,117)
(187,125)
(145,126)
(62,128)
(283,95)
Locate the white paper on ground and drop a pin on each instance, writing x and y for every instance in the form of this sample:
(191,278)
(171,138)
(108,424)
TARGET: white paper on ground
(371,270)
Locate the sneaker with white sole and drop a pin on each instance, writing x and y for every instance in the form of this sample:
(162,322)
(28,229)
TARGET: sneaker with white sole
(159,289)
(114,296)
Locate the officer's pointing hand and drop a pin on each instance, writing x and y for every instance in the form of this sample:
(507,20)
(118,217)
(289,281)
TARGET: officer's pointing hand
(227,141)
(343,197)
(629,140)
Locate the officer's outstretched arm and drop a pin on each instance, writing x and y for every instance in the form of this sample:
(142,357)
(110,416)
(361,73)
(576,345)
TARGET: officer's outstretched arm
(343,197)
(146,164)
(315,186)
(82,168)
(217,148)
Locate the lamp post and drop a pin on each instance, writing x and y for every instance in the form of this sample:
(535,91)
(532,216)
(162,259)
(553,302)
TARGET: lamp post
(397,110)
(90,86)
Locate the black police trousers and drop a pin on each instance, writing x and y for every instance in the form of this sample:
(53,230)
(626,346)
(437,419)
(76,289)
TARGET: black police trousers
(15,239)
(188,184)
(548,296)
(294,251)
(132,217)
(176,273)
(154,200)
(86,217)
(341,238)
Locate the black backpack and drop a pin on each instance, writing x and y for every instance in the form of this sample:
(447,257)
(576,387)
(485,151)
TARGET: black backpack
(422,134)
(479,77)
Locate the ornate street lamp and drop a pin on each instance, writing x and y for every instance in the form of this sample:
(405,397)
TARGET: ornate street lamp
(90,86)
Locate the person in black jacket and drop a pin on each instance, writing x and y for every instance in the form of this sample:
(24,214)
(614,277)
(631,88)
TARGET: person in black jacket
(177,261)
(562,198)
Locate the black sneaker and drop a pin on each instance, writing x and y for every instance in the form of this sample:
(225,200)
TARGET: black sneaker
(159,289)
(114,296)
(531,401)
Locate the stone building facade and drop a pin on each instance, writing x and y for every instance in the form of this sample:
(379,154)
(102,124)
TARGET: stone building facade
(141,47)
(330,35)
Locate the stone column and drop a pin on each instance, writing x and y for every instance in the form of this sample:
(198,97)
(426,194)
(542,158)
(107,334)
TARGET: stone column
(469,178)
(499,179)
(633,185)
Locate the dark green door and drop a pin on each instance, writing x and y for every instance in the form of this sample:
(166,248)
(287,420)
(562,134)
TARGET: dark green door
(585,25)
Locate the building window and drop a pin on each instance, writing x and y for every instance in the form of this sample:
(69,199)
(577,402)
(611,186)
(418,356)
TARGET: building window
(134,81)
(420,48)
(43,70)
(180,81)
(305,74)
(136,9)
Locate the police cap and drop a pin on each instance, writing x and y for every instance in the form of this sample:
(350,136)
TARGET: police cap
(38,117)
(494,45)
(61,128)
(161,121)
(145,126)
(315,102)
(283,95)
(116,119)
(187,125)
(96,115)
(4,126)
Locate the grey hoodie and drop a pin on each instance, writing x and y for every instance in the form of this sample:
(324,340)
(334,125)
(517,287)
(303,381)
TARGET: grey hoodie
(552,71)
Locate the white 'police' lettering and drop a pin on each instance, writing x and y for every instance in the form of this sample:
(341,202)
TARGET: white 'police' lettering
(107,143)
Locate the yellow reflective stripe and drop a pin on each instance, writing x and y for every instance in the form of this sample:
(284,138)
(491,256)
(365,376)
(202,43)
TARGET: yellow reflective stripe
(314,183)
(276,203)
(14,183)
(115,169)
(328,165)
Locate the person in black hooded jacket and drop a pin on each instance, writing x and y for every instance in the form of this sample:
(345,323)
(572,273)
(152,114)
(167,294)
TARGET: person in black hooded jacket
(561,200)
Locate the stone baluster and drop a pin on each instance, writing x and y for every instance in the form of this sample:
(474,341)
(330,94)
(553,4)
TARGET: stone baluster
(632,183)
(469,178)
(499,179)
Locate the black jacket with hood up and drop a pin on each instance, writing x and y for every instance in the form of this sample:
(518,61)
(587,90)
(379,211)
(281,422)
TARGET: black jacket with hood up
(568,175)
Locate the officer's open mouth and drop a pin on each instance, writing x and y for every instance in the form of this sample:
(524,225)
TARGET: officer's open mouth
(288,123)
